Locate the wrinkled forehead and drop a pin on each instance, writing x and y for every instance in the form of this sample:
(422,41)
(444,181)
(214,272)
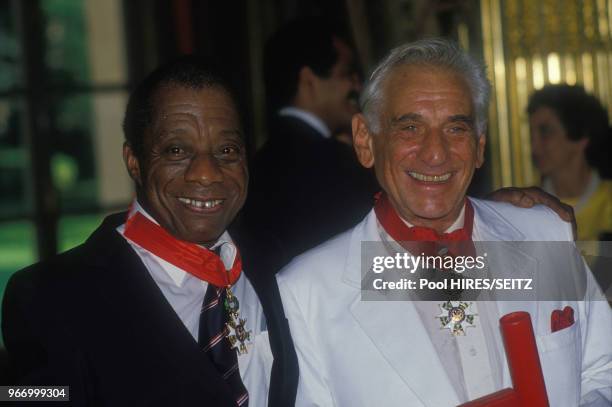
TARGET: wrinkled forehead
(415,82)
(204,103)
(424,74)
(176,104)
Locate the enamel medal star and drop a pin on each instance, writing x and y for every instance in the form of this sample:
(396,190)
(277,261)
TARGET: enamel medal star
(456,316)
(236,330)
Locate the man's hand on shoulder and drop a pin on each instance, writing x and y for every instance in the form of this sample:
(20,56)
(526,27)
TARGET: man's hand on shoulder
(528,197)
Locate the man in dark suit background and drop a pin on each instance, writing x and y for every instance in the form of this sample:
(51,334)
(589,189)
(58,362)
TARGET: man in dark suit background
(308,185)
(137,314)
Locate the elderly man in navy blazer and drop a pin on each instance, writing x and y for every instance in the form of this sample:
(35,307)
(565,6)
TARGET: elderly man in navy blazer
(162,306)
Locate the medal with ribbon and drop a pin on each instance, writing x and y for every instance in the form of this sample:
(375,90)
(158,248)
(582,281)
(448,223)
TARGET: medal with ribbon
(237,334)
(455,315)
(198,261)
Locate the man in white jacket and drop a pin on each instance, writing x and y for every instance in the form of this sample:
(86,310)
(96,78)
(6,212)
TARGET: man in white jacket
(423,130)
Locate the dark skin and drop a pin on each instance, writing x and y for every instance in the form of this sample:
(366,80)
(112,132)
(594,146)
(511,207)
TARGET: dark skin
(192,176)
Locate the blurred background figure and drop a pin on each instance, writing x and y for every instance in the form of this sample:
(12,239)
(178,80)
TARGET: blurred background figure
(307,184)
(569,143)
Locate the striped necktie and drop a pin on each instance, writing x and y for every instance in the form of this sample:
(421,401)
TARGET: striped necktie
(211,338)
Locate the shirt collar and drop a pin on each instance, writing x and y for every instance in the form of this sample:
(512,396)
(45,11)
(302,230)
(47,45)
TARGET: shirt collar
(310,119)
(581,201)
(225,244)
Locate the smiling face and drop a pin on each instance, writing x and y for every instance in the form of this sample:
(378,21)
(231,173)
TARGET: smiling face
(427,149)
(192,176)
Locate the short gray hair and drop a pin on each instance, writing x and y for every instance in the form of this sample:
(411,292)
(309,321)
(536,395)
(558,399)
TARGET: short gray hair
(428,52)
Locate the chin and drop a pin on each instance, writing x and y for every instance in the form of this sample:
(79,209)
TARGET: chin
(207,236)
(202,240)
(198,235)
(433,215)
(433,212)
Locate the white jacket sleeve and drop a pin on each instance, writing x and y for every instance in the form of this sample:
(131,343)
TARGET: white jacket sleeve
(313,390)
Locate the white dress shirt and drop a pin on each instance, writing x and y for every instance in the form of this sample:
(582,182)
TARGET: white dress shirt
(185,294)
(472,362)
(310,119)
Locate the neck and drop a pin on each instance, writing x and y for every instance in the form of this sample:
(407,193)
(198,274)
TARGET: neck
(396,227)
(439,225)
(572,180)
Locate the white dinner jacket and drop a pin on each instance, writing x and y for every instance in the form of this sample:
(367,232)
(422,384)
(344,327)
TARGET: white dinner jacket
(378,353)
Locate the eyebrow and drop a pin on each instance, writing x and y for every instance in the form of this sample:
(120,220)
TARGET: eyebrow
(415,116)
(233,132)
(163,134)
(462,118)
(405,118)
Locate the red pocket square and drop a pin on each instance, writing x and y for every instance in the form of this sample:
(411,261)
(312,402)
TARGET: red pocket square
(561,319)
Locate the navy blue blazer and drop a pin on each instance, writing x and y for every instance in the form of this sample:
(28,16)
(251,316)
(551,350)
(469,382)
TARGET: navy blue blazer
(94,319)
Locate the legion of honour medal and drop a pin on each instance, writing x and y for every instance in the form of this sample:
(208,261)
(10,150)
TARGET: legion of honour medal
(236,330)
(456,316)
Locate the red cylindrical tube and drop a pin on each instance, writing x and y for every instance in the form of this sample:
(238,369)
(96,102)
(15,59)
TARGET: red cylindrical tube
(502,398)
(523,359)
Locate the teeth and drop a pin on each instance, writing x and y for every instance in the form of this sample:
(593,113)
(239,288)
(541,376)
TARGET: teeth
(201,204)
(430,178)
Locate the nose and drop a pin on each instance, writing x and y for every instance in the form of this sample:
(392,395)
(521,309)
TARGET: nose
(204,169)
(434,148)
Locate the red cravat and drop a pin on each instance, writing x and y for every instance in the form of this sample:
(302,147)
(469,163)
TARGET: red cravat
(419,239)
(194,259)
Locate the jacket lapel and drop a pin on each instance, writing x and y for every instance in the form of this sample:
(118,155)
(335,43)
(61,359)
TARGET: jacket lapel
(507,260)
(132,297)
(504,245)
(396,330)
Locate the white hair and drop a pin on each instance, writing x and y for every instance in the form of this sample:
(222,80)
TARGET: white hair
(428,52)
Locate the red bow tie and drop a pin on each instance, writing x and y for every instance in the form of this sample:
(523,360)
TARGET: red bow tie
(417,239)
(196,260)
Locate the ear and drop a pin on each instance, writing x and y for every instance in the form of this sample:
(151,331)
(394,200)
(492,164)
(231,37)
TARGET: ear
(132,164)
(362,141)
(307,80)
(480,150)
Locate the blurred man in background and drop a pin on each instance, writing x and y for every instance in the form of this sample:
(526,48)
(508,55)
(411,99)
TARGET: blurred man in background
(307,185)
